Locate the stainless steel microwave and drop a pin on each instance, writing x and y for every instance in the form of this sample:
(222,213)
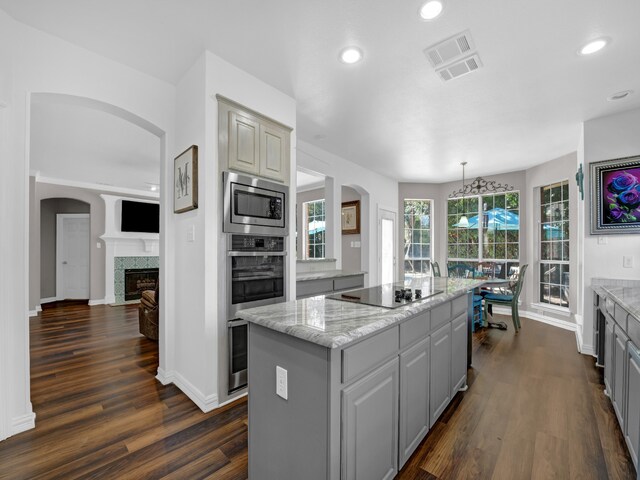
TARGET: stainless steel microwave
(254,206)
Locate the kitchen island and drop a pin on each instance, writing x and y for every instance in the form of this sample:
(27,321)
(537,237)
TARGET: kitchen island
(358,387)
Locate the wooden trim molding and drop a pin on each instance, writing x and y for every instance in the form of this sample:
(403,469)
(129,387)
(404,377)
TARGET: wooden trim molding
(206,403)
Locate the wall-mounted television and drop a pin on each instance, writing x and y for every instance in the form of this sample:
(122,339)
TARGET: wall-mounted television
(140,217)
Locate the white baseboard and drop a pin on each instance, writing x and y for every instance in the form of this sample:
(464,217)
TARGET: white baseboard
(49,300)
(537,317)
(23,423)
(231,400)
(110,300)
(38,308)
(100,301)
(33,313)
(205,403)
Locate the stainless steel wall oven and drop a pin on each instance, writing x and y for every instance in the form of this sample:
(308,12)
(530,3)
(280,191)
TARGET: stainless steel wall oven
(255,277)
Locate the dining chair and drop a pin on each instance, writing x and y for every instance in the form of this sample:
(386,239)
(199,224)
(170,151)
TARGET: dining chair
(460,270)
(508,299)
(435,269)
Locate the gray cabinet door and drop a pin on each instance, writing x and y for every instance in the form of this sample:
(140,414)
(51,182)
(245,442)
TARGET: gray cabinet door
(370,425)
(619,361)
(414,398)
(458,353)
(632,425)
(440,366)
(608,355)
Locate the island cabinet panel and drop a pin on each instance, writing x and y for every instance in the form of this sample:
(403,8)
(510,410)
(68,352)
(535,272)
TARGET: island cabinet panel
(440,315)
(440,375)
(313,287)
(619,370)
(367,354)
(608,354)
(632,425)
(414,398)
(458,353)
(370,426)
(288,437)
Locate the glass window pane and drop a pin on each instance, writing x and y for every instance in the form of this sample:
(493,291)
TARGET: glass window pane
(556,195)
(565,275)
(565,251)
(565,190)
(513,200)
(512,251)
(555,295)
(499,201)
(546,195)
(544,273)
(489,251)
(545,214)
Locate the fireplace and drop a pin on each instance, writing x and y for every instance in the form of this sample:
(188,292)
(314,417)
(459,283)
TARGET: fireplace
(137,280)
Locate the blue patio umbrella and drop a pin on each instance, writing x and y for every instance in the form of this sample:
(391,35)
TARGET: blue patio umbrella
(316,226)
(495,219)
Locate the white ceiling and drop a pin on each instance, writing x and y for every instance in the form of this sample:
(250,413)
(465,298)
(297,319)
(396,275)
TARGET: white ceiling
(389,113)
(308,181)
(81,144)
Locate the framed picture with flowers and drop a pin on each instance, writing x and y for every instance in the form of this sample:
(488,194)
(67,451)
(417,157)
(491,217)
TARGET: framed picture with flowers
(615,196)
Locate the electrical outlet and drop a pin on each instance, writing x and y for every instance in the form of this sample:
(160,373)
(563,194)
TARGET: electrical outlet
(281,383)
(98,245)
(627,261)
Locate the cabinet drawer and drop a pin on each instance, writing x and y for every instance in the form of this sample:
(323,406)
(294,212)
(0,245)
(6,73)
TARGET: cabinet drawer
(414,329)
(367,354)
(459,306)
(314,287)
(343,283)
(620,315)
(633,329)
(440,315)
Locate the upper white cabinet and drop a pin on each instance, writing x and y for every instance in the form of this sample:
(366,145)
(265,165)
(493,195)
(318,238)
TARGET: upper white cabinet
(252,143)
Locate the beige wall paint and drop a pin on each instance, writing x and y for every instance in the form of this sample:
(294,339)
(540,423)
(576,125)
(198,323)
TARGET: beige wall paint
(49,209)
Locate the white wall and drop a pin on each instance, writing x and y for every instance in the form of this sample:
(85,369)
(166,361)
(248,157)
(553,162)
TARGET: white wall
(44,63)
(352,256)
(201,321)
(376,192)
(607,138)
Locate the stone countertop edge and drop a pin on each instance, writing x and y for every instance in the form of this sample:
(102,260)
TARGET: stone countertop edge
(306,276)
(316,260)
(624,293)
(333,323)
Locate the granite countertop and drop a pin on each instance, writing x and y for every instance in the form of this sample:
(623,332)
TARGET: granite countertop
(333,323)
(304,276)
(627,296)
(316,260)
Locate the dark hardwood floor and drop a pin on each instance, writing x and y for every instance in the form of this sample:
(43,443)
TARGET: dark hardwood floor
(535,409)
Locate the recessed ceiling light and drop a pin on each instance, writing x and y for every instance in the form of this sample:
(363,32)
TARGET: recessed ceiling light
(594,46)
(619,95)
(351,55)
(431,10)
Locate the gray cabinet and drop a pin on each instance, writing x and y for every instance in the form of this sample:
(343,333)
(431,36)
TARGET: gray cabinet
(608,355)
(632,396)
(252,143)
(458,353)
(414,398)
(440,380)
(619,370)
(370,425)
(326,286)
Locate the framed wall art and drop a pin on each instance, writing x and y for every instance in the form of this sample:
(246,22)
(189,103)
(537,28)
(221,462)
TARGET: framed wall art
(615,196)
(185,180)
(351,217)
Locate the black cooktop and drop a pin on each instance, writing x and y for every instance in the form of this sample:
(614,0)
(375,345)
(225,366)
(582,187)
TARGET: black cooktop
(385,295)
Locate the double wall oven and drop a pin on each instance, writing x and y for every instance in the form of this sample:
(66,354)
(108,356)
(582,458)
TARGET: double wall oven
(255,223)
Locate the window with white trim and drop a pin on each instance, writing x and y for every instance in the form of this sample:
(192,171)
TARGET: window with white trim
(483,232)
(314,229)
(417,238)
(554,244)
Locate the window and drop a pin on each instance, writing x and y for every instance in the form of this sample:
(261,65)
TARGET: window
(314,229)
(489,239)
(554,244)
(417,238)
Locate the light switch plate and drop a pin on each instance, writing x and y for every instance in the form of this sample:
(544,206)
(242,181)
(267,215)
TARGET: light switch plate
(281,383)
(627,261)
(191,233)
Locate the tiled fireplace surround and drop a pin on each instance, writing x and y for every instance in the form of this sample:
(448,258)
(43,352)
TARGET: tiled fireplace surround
(122,263)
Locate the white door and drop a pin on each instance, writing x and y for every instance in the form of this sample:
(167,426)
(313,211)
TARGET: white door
(387,245)
(72,252)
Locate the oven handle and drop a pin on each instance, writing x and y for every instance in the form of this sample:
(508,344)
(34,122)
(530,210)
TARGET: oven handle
(256,254)
(236,323)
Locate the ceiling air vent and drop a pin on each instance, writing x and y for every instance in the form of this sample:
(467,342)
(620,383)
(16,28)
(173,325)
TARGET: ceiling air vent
(460,68)
(450,50)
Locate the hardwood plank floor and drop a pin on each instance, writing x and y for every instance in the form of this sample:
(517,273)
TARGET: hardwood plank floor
(535,409)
